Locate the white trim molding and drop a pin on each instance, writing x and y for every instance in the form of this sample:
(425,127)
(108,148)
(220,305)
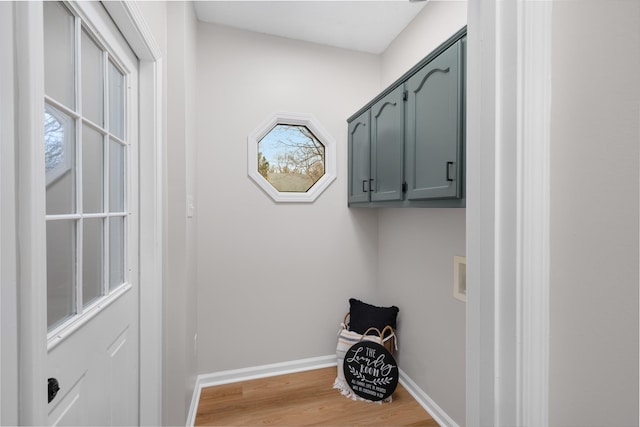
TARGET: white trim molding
(437,413)
(508,115)
(534,97)
(151,154)
(133,26)
(32,297)
(8,244)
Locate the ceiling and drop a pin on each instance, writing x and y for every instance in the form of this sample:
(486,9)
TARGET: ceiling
(362,25)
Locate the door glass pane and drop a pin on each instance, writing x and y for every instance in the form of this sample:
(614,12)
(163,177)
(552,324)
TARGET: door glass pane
(59,154)
(59,55)
(116,252)
(116,101)
(92,249)
(61,269)
(92,81)
(116,177)
(92,170)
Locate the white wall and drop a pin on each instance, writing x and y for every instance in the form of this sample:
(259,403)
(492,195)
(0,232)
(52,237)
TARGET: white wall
(191,88)
(274,279)
(173,24)
(180,290)
(437,21)
(594,213)
(416,247)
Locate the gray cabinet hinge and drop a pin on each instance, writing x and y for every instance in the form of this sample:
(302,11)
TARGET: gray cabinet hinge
(404,187)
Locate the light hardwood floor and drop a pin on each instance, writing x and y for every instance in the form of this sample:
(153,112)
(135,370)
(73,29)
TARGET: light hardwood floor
(303,399)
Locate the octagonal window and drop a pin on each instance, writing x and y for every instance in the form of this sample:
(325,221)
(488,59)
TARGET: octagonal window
(291,157)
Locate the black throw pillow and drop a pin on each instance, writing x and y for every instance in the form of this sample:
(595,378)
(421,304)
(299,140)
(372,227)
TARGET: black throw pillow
(363,316)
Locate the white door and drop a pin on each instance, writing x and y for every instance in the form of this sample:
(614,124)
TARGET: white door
(90,145)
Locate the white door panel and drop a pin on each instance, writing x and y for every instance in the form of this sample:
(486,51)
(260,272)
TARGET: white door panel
(93,339)
(71,410)
(96,368)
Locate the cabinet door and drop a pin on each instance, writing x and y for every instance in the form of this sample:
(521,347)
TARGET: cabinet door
(359,158)
(434,131)
(387,146)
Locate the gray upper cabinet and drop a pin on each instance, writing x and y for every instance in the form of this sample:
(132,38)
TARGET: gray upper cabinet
(434,131)
(359,158)
(387,147)
(376,151)
(407,146)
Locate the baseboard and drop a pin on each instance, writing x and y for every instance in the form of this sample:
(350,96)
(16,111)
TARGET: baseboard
(264,371)
(436,412)
(252,373)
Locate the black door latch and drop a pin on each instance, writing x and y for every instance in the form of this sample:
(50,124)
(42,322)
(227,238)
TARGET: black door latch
(54,387)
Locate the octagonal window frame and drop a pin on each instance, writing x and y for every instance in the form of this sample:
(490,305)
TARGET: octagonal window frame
(292,119)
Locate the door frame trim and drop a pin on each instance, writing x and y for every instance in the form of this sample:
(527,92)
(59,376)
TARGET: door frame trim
(28,24)
(8,256)
(508,194)
(32,293)
(131,23)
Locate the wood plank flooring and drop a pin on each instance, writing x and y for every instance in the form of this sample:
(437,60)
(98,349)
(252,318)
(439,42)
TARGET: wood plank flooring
(303,399)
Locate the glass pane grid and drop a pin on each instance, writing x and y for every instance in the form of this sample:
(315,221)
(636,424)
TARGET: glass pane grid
(92,86)
(92,258)
(60,161)
(94,126)
(117,176)
(86,141)
(61,265)
(59,53)
(116,101)
(93,170)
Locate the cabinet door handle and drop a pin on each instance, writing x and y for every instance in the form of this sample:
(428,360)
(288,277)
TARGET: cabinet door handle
(364,190)
(371,185)
(449,164)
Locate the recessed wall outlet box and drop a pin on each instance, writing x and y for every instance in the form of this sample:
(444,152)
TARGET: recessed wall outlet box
(460,278)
